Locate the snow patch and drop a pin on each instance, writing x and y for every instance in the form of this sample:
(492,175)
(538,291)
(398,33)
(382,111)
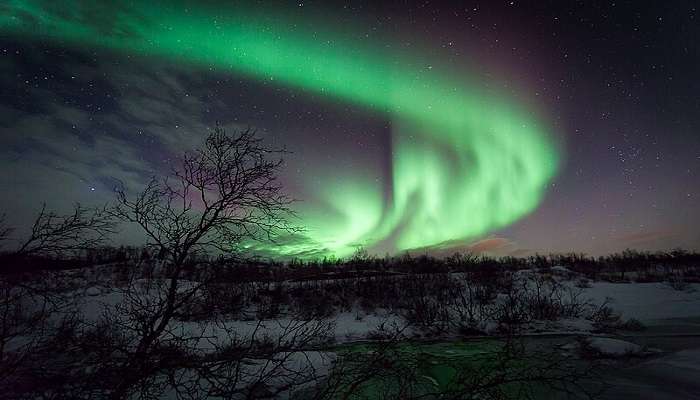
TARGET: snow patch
(93,291)
(613,347)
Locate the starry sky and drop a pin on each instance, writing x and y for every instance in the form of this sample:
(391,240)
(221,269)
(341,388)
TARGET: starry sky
(383,113)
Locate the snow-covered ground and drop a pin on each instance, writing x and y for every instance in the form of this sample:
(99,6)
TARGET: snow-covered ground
(671,368)
(670,377)
(647,302)
(652,303)
(607,346)
(657,374)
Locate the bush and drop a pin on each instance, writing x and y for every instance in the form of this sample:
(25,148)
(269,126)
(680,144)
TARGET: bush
(677,282)
(604,318)
(583,283)
(632,325)
(312,304)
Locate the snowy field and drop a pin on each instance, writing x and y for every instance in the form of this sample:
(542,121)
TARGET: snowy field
(646,336)
(657,371)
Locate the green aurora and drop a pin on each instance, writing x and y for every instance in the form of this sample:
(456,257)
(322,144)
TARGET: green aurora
(465,160)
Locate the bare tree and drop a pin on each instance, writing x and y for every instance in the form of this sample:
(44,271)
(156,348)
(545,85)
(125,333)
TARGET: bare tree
(222,194)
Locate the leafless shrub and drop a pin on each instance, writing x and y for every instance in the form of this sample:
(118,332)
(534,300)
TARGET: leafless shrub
(428,314)
(604,318)
(34,318)
(469,307)
(678,282)
(633,325)
(312,304)
(217,299)
(260,366)
(583,283)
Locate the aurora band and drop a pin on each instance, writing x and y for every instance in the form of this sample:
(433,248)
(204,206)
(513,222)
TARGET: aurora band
(465,160)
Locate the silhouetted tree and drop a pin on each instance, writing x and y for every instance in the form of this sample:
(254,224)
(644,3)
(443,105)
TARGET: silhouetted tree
(219,196)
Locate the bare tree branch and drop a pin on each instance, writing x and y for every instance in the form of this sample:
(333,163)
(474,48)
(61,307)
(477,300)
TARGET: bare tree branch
(53,234)
(220,195)
(5,230)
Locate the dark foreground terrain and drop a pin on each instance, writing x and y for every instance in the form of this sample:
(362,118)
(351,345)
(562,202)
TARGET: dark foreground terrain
(465,328)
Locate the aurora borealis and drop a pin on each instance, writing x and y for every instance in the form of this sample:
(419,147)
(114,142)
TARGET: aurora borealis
(474,162)
(466,155)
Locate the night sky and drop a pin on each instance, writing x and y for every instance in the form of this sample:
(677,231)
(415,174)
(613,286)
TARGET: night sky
(504,127)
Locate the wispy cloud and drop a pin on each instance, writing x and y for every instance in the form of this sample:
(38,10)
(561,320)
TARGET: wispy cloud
(493,246)
(129,121)
(647,238)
